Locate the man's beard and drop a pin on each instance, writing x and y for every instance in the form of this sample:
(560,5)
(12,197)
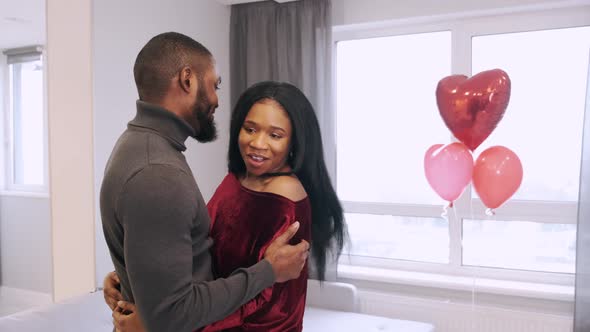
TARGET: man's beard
(207,130)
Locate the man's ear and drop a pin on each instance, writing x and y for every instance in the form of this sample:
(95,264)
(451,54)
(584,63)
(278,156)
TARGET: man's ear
(186,79)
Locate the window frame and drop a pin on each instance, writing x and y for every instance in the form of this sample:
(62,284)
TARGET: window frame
(19,56)
(463,27)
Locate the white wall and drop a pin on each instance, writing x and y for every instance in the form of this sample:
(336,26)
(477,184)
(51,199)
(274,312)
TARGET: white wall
(120,30)
(22,23)
(70,122)
(25,246)
(3,107)
(353,11)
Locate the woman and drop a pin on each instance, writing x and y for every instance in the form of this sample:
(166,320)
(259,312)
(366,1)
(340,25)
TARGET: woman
(276,172)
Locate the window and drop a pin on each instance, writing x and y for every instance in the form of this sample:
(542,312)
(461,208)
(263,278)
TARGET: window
(368,96)
(547,69)
(25,121)
(495,243)
(420,239)
(381,100)
(386,118)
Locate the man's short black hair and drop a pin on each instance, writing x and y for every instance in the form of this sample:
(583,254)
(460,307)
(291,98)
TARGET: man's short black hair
(162,58)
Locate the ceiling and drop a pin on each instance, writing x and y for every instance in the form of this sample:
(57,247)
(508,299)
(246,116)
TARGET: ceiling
(22,23)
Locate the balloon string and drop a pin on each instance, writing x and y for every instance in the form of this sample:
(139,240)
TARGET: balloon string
(445,213)
(473,277)
(490,212)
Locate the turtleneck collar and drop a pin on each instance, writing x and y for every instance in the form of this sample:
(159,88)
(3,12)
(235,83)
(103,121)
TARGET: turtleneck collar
(165,123)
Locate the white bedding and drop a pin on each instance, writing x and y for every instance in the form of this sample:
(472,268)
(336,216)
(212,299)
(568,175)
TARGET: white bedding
(88,313)
(322,320)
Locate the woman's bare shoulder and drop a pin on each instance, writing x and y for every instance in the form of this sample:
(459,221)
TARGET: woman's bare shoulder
(287,186)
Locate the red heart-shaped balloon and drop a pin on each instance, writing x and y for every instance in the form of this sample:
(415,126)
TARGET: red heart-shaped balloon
(472,107)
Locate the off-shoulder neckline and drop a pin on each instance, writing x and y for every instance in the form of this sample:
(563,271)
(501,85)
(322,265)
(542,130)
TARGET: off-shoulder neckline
(266,193)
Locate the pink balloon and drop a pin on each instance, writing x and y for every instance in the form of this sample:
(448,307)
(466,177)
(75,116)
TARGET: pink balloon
(448,169)
(497,175)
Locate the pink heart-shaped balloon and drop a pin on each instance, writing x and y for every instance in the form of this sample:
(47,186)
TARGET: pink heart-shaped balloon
(448,169)
(472,107)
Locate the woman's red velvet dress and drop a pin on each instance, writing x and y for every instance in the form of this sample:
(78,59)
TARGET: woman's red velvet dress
(243,224)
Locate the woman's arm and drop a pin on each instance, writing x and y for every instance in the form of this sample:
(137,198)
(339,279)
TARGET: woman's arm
(281,303)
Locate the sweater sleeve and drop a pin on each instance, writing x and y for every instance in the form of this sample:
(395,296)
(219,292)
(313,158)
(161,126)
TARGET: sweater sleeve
(157,210)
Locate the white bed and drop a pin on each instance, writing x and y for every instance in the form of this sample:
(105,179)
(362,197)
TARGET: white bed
(333,306)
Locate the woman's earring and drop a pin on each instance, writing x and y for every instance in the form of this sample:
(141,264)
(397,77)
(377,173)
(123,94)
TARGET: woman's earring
(291,155)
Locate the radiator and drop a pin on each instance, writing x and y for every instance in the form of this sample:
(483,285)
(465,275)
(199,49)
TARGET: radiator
(447,316)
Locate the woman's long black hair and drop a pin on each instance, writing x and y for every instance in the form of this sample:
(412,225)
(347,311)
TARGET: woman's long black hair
(328,229)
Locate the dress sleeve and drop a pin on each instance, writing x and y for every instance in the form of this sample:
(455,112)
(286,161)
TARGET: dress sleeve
(277,308)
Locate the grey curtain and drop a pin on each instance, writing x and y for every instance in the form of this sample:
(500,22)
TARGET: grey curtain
(582,306)
(288,42)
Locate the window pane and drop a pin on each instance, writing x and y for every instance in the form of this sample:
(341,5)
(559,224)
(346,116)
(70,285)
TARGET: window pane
(520,245)
(409,238)
(387,115)
(28,131)
(543,122)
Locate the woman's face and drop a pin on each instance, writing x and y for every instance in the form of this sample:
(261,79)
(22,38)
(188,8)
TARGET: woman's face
(265,138)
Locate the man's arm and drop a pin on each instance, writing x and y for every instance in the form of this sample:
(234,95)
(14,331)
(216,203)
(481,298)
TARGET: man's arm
(157,211)
(284,258)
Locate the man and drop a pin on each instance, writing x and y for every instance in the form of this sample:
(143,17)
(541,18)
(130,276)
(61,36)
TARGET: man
(154,217)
